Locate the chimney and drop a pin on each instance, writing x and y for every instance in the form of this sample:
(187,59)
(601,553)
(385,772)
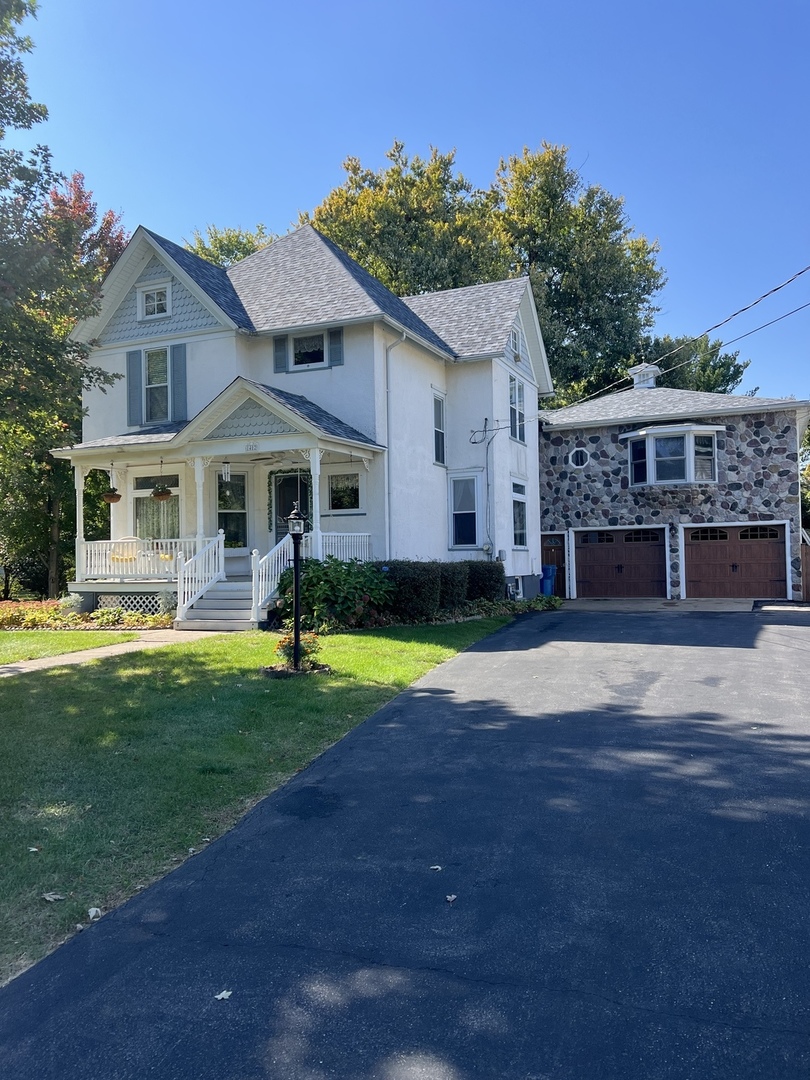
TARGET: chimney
(644,376)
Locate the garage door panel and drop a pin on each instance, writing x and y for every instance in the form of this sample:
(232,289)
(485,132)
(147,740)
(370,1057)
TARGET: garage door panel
(744,561)
(621,563)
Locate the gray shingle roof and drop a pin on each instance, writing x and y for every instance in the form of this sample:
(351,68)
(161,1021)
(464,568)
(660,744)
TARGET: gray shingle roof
(315,415)
(213,280)
(660,403)
(303,279)
(474,321)
(161,433)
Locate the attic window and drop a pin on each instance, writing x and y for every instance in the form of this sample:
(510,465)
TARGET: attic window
(154,302)
(515,343)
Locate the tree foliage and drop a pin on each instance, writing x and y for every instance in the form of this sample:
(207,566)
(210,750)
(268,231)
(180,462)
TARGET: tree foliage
(227,246)
(54,251)
(417,225)
(696,364)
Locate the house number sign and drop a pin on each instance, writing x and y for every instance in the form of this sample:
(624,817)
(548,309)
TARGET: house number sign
(251,446)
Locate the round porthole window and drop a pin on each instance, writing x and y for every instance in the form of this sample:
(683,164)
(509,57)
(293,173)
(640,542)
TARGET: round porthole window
(578,458)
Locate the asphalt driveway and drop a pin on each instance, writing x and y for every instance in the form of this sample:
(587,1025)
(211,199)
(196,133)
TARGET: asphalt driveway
(618,806)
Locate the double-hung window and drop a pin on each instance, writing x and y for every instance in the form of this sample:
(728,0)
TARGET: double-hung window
(463,511)
(686,455)
(438,431)
(517,409)
(156,404)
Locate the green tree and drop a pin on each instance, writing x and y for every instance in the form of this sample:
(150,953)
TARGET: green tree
(593,279)
(696,364)
(224,247)
(417,224)
(53,252)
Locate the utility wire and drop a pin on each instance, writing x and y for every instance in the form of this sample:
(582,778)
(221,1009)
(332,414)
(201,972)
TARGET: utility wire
(502,425)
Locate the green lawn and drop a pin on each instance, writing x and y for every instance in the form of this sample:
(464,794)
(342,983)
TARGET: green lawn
(16,645)
(111,771)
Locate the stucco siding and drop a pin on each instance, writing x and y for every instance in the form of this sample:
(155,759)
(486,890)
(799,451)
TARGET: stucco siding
(757,480)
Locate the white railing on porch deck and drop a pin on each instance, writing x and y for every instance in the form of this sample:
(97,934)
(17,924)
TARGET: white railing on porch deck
(133,558)
(267,570)
(196,575)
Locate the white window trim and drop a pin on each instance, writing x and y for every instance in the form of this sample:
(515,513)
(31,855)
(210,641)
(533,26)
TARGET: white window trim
(240,470)
(438,396)
(520,392)
(153,286)
(346,470)
(688,431)
(516,343)
(517,497)
(291,364)
(578,450)
(145,388)
(467,474)
(146,493)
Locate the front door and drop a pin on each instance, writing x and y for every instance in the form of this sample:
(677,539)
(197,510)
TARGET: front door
(290,488)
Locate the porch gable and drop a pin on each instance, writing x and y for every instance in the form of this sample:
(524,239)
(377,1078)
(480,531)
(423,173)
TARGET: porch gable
(249,419)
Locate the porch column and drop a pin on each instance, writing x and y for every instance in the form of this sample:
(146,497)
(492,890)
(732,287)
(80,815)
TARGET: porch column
(314,456)
(199,481)
(78,479)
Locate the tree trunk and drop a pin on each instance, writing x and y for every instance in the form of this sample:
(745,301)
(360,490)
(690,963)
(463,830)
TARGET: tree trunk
(53,549)
(6,583)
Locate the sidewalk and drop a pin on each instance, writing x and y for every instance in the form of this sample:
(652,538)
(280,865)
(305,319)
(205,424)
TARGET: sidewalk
(147,639)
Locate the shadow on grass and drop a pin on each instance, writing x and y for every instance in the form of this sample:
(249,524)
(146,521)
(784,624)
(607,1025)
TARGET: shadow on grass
(630,896)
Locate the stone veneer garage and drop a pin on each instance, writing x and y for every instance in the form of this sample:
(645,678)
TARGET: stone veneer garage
(738,470)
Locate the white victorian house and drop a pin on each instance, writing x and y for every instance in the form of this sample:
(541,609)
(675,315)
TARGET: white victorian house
(404,428)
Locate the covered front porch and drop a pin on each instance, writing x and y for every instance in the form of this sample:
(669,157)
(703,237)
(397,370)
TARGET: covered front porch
(208,503)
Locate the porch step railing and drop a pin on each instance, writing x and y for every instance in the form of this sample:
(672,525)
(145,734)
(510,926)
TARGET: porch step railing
(132,557)
(196,575)
(267,570)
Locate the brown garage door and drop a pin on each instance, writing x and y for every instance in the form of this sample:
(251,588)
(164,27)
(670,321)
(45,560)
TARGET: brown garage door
(621,562)
(744,561)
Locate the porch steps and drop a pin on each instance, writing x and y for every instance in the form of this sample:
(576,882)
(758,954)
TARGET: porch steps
(225,607)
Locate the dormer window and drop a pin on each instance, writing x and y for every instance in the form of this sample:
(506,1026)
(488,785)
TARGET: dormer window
(672,455)
(154,302)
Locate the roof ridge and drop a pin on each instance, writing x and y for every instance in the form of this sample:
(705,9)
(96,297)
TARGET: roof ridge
(462,288)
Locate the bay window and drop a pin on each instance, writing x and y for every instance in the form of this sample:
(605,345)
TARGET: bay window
(683,455)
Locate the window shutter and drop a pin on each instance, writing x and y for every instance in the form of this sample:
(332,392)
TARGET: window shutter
(134,389)
(335,348)
(179,404)
(279,354)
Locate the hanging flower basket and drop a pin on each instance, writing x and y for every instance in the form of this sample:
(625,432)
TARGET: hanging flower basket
(111,496)
(161,493)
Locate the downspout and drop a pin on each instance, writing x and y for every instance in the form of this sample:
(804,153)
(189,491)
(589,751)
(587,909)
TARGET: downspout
(388,350)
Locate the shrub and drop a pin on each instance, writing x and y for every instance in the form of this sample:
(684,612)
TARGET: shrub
(487,581)
(335,593)
(309,647)
(56,615)
(455,578)
(417,589)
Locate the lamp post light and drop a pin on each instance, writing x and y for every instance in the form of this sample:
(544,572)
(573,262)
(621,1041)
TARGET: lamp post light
(295,525)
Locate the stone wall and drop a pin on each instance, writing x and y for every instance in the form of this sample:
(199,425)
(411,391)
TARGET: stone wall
(757,480)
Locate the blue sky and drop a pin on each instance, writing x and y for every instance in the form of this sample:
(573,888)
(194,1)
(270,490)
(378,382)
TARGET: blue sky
(182,113)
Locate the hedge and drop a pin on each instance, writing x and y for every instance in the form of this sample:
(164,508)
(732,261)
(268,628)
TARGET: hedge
(487,580)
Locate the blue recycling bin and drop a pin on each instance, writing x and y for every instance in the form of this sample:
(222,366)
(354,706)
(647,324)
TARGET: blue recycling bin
(547,584)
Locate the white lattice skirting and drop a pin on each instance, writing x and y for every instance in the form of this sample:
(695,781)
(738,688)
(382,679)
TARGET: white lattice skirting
(146,603)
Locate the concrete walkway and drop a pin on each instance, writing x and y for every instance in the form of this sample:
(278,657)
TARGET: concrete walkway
(577,851)
(147,639)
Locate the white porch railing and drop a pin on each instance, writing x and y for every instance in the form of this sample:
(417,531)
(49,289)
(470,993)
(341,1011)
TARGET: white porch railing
(267,570)
(196,575)
(346,546)
(134,559)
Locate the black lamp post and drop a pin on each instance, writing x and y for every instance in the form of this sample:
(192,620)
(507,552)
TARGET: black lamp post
(295,524)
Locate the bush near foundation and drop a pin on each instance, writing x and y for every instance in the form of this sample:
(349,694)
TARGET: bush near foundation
(54,615)
(455,579)
(487,580)
(417,589)
(337,594)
